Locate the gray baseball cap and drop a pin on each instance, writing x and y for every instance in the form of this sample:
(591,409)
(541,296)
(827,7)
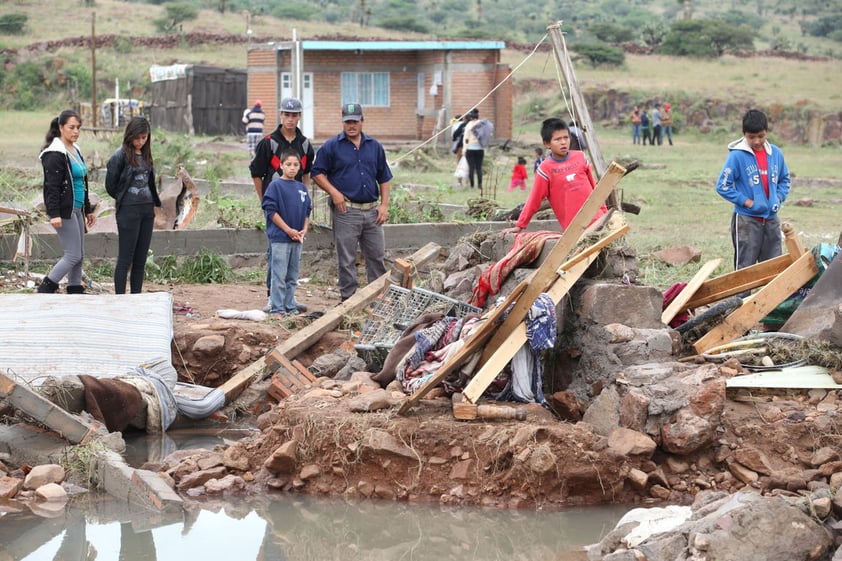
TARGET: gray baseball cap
(291,105)
(352,112)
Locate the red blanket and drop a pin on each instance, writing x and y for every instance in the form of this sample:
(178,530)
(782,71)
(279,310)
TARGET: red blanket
(526,249)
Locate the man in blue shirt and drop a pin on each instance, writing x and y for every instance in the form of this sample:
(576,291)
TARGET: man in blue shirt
(351,167)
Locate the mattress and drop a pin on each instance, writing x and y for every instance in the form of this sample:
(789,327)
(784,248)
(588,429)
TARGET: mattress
(103,335)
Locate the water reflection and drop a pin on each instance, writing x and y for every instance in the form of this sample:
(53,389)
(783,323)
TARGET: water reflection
(305,529)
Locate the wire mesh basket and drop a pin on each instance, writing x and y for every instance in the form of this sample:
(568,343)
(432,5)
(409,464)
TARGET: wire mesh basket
(396,309)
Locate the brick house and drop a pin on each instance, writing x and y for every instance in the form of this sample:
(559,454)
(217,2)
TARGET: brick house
(408,89)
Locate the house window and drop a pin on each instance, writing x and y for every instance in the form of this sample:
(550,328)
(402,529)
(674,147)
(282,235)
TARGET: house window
(366,88)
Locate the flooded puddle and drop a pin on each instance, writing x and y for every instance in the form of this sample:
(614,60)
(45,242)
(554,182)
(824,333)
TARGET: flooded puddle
(301,528)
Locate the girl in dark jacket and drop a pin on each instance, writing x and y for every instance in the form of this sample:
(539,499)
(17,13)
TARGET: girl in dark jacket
(130,179)
(66,199)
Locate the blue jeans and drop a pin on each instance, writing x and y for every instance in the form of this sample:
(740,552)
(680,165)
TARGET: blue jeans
(285,266)
(635,134)
(352,228)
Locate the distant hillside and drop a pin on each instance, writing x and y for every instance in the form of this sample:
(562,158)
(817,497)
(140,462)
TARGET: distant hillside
(50,64)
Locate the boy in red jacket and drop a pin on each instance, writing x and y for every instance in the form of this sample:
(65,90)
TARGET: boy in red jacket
(564,178)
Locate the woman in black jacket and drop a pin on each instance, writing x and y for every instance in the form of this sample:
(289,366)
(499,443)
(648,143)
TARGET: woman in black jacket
(66,199)
(130,179)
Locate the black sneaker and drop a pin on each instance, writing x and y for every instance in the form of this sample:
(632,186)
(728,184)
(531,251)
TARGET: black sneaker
(300,307)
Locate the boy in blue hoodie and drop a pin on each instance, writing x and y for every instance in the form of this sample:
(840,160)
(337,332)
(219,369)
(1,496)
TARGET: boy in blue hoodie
(755,180)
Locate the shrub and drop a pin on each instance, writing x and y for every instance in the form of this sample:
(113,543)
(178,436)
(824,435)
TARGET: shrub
(598,53)
(12,24)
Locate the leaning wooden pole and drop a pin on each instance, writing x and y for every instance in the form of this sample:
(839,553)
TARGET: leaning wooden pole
(580,107)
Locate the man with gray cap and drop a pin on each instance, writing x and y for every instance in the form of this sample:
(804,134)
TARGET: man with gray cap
(266,162)
(351,167)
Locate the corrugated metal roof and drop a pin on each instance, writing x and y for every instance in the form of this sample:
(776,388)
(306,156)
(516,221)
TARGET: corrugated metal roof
(400,45)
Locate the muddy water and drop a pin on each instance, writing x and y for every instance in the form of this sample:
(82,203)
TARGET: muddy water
(303,529)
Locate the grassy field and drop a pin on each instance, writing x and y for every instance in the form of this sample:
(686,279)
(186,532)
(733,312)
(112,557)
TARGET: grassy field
(673,187)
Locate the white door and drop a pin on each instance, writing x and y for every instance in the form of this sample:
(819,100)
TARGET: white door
(306,124)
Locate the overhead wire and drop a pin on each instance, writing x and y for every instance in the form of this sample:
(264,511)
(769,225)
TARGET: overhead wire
(477,104)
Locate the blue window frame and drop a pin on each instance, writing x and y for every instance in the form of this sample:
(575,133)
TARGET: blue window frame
(366,88)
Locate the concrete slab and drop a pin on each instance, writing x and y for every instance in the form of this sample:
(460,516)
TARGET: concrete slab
(27,444)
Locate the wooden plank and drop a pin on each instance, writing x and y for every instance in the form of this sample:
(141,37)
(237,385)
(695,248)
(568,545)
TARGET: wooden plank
(544,275)
(71,427)
(794,246)
(736,282)
(303,339)
(617,229)
(759,305)
(679,303)
(14,211)
(473,344)
(503,353)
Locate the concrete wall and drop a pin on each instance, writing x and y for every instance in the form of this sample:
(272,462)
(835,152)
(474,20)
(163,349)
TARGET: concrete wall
(400,239)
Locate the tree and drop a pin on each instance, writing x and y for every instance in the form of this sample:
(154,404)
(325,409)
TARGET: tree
(598,53)
(653,33)
(611,32)
(706,38)
(176,14)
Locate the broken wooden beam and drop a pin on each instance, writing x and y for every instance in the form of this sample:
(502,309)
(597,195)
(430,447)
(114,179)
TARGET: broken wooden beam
(760,304)
(71,427)
(289,376)
(304,338)
(402,273)
(679,303)
(739,281)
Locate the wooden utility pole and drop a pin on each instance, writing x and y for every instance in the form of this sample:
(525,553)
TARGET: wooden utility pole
(580,109)
(93,70)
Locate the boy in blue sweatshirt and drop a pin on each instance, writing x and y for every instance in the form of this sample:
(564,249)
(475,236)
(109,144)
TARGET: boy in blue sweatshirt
(287,205)
(755,180)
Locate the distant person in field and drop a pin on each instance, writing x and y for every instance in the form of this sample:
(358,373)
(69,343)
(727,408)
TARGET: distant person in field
(564,178)
(755,179)
(635,123)
(657,133)
(577,137)
(253,119)
(666,122)
(519,175)
(476,138)
(645,129)
(539,157)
